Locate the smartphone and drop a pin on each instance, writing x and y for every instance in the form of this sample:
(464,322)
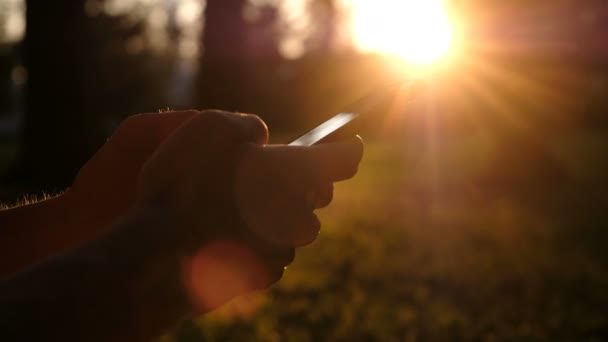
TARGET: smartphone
(347,124)
(340,127)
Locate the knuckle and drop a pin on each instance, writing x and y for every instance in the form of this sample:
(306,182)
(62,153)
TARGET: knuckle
(220,121)
(187,112)
(130,124)
(248,127)
(213,112)
(259,129)
(151,124)
(214,115)
(213,123)
(130,129)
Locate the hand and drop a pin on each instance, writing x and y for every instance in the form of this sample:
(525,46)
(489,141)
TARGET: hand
(207,211)
(242,206)
(104,189)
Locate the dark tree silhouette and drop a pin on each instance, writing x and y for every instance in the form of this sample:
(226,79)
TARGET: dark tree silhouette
(325,13)
(57,134)
(81,77)
(223,66)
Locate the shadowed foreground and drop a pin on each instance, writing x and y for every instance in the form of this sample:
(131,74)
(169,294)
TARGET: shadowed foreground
(485,241)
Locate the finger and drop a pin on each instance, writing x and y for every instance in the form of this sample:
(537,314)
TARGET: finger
(271,261)
(251,127)
(337,161)
(305,230)
(325,162)
(275,258)
(289,224)
(324,195)
(300,226)
(274,255)
(167,122)
(308,165)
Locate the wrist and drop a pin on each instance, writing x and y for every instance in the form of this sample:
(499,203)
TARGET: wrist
(59,226)
(149,244)
(91,212)
(32,232)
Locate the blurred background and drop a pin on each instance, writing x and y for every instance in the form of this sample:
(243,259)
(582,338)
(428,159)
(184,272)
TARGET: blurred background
(479,213)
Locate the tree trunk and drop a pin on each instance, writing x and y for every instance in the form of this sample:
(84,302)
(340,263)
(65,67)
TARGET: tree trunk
(55,135)
(223,62)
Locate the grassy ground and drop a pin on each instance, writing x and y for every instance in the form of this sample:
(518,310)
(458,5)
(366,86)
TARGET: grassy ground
(482,240)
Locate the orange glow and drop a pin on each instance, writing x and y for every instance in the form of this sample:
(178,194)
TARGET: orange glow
(220,271)
(420,31)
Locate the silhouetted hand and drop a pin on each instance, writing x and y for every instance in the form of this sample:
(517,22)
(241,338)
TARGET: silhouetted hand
(182,212)
(241,207)
(104,188)
(102,193)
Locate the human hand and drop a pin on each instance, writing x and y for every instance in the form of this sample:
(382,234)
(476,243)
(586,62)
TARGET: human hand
(243,206)
(104,188)
(207,211)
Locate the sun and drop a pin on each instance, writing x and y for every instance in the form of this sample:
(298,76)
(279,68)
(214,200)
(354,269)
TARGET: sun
(420,31)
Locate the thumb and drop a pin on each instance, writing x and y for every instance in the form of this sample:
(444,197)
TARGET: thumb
(329,162)
(162,125)
(337,161)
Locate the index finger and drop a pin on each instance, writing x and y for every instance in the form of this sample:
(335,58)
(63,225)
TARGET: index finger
(251,127)
(159,126)
(153,127)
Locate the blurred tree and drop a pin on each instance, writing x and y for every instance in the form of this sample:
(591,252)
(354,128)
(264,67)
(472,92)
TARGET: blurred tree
(241,66)
(325,15)
(263,31)
(7,62)
(223,63)
(87,69)
(57,136)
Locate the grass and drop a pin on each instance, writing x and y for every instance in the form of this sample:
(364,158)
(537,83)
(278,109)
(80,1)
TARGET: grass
(483,242)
